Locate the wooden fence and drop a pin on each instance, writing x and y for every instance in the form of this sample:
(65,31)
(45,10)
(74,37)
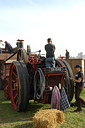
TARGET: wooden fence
(73,62)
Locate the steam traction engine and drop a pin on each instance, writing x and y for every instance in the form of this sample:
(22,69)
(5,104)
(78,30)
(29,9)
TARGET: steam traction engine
(30,79)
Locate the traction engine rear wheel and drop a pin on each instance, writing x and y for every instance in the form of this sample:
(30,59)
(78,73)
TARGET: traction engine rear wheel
(17,86)
(71,87)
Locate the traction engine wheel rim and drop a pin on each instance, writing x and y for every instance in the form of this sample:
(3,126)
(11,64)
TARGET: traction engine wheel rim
(18,84)
(14,90)
(6,88)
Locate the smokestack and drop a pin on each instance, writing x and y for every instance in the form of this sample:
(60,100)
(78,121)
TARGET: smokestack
(19,43)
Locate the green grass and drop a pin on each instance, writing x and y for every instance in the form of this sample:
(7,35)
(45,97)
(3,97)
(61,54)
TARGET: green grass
(12,119)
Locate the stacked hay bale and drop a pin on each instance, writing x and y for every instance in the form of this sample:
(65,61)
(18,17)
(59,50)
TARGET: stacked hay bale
(48,118)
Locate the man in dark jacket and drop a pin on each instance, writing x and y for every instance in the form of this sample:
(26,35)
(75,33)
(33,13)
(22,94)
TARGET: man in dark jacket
(8,46)
(67,54)
(50,57)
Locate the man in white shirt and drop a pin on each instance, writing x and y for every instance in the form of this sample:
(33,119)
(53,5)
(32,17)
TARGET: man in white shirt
(1,45)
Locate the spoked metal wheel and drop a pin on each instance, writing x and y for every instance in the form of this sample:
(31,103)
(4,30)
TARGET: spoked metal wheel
(22,55)
(6,88)
(18,85)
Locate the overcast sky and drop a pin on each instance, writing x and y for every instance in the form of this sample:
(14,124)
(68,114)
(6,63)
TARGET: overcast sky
(35,20)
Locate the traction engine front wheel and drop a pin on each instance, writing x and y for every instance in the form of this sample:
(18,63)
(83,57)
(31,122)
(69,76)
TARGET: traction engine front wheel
(18,85)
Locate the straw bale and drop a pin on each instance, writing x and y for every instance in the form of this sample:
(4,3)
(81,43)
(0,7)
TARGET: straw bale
(47,118)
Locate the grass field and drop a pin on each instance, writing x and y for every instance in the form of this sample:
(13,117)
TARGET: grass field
(12,119)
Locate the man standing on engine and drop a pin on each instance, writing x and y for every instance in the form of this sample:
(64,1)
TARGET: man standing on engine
(50,57)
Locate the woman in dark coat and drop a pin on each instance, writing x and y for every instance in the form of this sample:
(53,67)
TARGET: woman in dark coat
(79,87)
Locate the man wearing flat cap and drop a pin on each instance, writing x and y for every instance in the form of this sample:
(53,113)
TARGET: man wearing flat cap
(8,46)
